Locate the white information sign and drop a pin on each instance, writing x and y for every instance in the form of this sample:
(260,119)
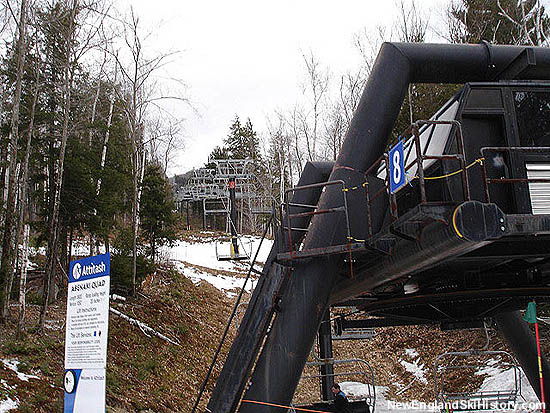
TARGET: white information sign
(86,334)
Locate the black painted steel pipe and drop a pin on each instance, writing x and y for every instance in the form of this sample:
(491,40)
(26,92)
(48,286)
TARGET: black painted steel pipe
(470,226)
(520,339)
(257,317)
(397,65)
(233,218)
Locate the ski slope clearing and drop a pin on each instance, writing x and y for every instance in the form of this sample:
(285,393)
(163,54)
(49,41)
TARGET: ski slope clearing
(195,257)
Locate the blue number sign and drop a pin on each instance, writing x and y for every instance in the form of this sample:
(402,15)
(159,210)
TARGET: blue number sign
(397,167)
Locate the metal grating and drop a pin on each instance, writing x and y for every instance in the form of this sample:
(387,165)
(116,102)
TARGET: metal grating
(539,191)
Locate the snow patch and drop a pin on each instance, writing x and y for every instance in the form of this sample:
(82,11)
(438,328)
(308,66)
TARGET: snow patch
(204,253)
(5,385)
(81,248)
(225,283)
(8,404)
(411,352)
(383,405)
(355,390)
(54,324)
(12,365)
(416,369)
(504,381)
(491,369)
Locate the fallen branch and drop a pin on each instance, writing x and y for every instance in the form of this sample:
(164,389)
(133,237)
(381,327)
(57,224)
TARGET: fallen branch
(143,327)
(407,387)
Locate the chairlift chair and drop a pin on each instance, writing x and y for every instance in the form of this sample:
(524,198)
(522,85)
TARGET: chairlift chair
(232,256)
(357,367)
(473,361)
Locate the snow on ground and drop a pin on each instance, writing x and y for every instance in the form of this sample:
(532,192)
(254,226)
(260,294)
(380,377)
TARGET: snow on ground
(81,248)
(226,283)
(412,353)
(505,381)
(498,380)
(491,369)
(356,390)
(203,254)
(416,369)
(12,365)
(8,404)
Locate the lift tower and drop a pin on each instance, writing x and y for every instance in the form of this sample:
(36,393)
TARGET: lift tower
(468,237)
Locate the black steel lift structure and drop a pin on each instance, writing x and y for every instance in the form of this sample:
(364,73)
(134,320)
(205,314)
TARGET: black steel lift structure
(468,238)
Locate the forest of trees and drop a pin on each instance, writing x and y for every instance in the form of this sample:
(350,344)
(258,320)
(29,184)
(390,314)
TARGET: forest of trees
(83,149)
(314,128)
(85,142)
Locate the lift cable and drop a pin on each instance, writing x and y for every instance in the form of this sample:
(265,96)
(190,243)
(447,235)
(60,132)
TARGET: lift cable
(239,239)
(235,306)
(283,407)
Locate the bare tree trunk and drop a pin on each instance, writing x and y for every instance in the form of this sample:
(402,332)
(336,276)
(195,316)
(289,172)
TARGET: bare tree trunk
(23,281)
(135,214)
(3,171)
(23,182)
(53,227)
(94,105)
(289,156)
(70,255)
(6,267)
(107,132)
(14,242)
(137,198)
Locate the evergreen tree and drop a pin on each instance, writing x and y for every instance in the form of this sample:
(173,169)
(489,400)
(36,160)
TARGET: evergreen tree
(499,22)
(219,152)
(242,141)
(157,208)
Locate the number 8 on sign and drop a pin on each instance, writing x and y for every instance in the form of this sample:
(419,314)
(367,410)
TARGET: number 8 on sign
(397,167)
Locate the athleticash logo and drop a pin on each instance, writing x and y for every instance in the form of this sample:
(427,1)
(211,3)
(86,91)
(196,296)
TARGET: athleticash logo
(90,269)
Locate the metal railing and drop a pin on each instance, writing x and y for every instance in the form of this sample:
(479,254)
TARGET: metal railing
(367,374)
(487,180)
(421,156)
(311,210)
(474,398)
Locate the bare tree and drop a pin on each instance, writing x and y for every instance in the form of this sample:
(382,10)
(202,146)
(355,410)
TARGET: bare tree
(8,247)
(335,128)
(368,42)
(53,231)
(22,225)
(315,90)
(165,139)
(83,24)
(138,95)
(530,23)
(411,27)
(279,158)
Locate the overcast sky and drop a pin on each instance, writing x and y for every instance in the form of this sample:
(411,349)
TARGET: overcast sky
(245,56)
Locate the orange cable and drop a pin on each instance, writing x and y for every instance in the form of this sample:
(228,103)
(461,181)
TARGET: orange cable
(283,407)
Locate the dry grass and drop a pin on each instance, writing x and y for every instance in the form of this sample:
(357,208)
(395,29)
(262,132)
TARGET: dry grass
(146,373)
(143,372)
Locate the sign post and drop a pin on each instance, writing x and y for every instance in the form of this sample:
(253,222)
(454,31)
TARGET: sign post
(86,335)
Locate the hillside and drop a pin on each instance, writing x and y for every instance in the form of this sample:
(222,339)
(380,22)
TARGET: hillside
(188,299)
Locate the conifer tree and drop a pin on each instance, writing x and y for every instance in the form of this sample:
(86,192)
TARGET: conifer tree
(242,142)
(498,21)
(157,207)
